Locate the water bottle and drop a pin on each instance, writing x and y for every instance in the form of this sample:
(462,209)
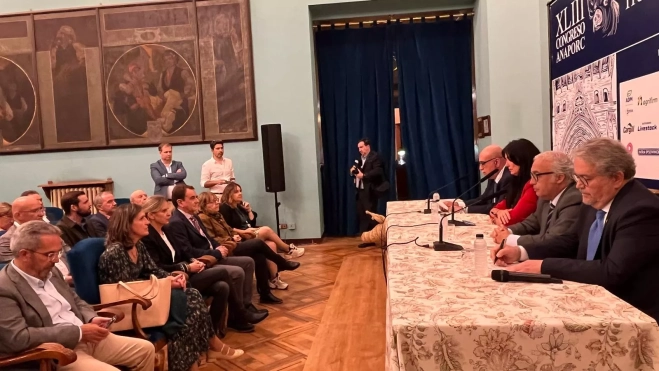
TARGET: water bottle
(481,254)
(435,208)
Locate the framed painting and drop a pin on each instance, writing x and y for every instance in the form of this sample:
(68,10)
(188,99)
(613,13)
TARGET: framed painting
(150,73)
(19,119)
(225,51)
(70,80)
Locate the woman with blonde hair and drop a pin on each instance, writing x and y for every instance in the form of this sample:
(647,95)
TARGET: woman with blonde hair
(6,216)
(125,259)
(219,230)
(240,216)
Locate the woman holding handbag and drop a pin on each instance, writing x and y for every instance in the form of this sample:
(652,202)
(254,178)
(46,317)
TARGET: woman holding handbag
(214,281)
(126,259)
(222,232)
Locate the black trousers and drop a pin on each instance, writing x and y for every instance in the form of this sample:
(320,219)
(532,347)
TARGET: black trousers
(260,253)
(366,201)
(217,283)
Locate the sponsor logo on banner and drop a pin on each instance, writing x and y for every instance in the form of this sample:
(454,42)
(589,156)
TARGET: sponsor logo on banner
(628,129)
(646,126)
(629,97)
(645,102)
(648,151)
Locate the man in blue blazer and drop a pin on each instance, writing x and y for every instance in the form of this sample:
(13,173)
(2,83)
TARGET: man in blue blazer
(166,173)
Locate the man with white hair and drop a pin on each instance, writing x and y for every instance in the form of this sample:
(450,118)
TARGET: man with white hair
(616,244)
(559,201)
(97,224)
(138,197)
(39,307)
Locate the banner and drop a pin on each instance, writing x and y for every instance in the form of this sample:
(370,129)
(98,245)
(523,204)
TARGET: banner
(604,57)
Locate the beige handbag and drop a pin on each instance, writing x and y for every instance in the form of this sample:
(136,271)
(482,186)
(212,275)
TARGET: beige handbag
(158,291)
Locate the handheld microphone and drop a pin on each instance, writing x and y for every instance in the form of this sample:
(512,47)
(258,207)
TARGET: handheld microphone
(459,223)
(501,275)
(441,245)
(427,210)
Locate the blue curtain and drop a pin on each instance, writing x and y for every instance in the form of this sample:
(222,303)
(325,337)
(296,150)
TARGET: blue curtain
(355,80)
(434,70)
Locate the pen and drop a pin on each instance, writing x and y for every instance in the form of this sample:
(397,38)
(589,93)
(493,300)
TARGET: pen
(503,242)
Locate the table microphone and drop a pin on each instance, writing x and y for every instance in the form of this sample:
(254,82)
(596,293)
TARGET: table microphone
(501,275)
(428,210)
(459,223)
(442,245)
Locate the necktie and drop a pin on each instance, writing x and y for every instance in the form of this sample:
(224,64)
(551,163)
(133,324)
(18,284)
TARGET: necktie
(195,223)
(595,234)
(551,211)
(494,189)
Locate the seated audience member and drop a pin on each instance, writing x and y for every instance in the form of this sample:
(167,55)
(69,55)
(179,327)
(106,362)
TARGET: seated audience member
(6,217)
(223,234)
(138,197)
(489,159)
(37,196)
(616,244)
(214,281)
(30,288)
(217,172)
(190,235)
(27,209)
(552,178)
(520,200)
(73,225)
(166,173)
(125,259)
(97,224)
(239,215)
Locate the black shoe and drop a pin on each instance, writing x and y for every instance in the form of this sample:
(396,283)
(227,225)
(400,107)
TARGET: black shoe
(270,299)
(289,266)
(240,326)
(255,318)
(365,244)
(252,309)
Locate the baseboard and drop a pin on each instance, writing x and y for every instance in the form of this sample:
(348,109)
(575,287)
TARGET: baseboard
(304,241)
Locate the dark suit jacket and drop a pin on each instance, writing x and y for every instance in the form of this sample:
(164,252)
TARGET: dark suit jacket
(563,220)
(187,239)
(627,259)
(163,179)
(25,321)
(161,254)
(97,225)
(374,174)
(484,206)
(72,232)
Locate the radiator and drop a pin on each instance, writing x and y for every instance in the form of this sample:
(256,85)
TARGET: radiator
(91,192)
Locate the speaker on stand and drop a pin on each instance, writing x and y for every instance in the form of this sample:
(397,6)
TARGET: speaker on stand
(273,163)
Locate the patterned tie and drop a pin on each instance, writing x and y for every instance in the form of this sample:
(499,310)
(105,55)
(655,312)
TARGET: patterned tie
(195,223)
(595,234)
(551,211)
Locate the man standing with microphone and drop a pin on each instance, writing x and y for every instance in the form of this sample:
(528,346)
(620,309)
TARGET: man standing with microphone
(370,184)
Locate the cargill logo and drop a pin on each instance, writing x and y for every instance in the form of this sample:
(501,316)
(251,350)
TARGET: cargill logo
(645,102)
(629,97)
(628,129)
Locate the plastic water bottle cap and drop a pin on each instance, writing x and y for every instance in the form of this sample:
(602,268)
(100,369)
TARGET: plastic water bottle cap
(480,235)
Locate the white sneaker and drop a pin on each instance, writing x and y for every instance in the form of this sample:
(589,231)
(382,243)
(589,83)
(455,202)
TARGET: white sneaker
(277,283)
(295,252)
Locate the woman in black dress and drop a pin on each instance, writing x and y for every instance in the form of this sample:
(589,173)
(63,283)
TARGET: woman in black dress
(126,259)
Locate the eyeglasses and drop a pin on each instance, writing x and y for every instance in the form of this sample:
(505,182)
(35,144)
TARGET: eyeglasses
(482,163)
(580,178)
(535,176)
(50,255)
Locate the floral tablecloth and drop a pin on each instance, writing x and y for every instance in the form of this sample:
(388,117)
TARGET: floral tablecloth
(440,316)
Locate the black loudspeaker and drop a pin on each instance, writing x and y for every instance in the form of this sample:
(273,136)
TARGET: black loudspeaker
(273,158)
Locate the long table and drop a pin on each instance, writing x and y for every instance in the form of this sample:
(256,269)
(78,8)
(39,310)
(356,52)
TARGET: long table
(440,316)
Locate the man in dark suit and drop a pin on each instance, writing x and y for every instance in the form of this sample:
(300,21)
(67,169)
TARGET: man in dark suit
(166,173)
(370,184)
(552,177)
(39,307)
(97,224)
(617,240)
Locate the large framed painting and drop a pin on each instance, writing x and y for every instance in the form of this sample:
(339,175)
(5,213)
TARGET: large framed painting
(150,73)
(225,50)
(70,79)
(19,119)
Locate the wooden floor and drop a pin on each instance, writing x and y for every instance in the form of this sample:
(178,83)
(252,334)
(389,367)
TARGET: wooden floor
(285,338)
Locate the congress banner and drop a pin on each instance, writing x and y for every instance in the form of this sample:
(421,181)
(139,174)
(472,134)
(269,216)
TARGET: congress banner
(604,57)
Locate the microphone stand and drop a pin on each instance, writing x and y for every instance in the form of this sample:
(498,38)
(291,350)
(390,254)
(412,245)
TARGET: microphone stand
(428,210)
(460,223)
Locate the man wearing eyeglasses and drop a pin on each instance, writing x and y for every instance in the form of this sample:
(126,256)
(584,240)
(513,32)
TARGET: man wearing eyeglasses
(217,172)
(39,307)
(616,244)
(26,209)
(489,159)
(559,201)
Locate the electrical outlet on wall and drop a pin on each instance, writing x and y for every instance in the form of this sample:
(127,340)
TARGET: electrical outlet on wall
(291,226)
(283,226)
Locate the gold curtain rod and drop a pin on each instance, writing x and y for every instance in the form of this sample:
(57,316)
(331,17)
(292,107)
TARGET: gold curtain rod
(405,19)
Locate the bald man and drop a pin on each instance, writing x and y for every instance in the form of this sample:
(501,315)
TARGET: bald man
(489,159)
(138,197)
(35,194)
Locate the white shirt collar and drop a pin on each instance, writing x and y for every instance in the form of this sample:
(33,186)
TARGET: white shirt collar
(188,216)
(607,207)
(32,281)
(500,175)
(558,196)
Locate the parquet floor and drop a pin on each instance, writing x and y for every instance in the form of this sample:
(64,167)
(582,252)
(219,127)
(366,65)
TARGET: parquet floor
(283,340)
